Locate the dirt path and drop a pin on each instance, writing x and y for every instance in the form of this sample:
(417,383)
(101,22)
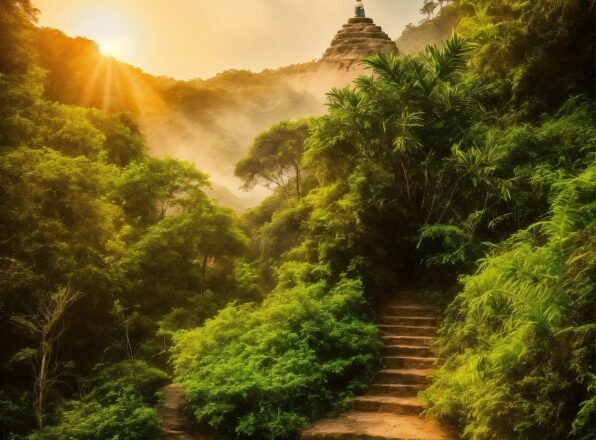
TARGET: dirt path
(175,424)
(390,410)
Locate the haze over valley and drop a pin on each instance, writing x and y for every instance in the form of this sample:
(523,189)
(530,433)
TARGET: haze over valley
(208,122)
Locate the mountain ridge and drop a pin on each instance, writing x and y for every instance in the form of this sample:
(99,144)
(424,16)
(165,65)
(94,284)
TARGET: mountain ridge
(208,122)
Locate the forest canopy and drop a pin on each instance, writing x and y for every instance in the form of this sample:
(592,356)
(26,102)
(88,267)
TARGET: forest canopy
(465,169)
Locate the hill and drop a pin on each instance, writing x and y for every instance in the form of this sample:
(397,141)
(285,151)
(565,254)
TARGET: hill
(415,38)
(208,122)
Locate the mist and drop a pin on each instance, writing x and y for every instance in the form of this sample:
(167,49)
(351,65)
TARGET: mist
(215,138)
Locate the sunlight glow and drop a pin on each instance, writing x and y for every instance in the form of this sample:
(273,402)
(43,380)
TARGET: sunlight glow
(112,28)
(114,47)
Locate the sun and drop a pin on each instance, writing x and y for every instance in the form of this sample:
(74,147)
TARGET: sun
(114,30)
(114,47)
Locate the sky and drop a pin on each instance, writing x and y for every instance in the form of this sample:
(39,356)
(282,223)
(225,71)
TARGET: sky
(198,38)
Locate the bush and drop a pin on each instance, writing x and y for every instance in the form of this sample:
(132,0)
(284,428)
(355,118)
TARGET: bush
(124,419)
(118,406)
(519,338)
(264,371)
(117,378)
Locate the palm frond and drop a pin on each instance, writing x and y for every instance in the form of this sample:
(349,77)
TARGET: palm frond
(385,65)
(449,60)
(343,98)
(406,138)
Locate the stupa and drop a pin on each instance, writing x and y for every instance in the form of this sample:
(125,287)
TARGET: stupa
(358,38)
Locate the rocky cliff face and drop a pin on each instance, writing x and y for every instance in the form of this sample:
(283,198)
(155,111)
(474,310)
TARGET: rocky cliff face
(358,38)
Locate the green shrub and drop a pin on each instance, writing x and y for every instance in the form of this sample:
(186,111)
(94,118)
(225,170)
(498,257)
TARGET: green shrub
(118,405)
(519,338)
(124,419)
(120,377)
(264,371)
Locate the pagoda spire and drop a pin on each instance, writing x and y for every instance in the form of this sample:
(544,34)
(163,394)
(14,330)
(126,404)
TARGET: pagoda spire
(359,9)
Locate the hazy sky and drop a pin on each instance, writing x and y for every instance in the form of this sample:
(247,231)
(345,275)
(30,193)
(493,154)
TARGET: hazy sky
(198,38)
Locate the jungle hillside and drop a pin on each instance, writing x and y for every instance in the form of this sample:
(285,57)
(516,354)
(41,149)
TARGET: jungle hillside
(454,180)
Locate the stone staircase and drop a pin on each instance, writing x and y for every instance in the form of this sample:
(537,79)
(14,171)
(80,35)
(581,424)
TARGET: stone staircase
(175,423)
(391,409)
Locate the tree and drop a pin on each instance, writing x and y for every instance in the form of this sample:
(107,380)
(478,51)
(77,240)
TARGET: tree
(519,336)
(275,158)
(428,8)
(442,2)
(168,265)
(20,80)
(151,189)
(397,152)
(46,322)
(523,48)
(17,20)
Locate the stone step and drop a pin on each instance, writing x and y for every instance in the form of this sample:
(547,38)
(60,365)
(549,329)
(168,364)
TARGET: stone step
(178,435)
(355,26)
(407,350)
(407,340)
(361,34)
(355,425)
(363,43)
(360,20)
(396,405)
(395,390)
(174,421)
(410,311)
(422,321)
(408,362)
(411,376)
(407,330)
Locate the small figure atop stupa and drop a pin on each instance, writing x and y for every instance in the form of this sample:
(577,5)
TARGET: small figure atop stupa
(359,9)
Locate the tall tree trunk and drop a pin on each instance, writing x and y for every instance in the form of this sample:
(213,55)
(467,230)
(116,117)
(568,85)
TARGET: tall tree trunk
(203,273)
(42,380)
(45,323)
(298,183)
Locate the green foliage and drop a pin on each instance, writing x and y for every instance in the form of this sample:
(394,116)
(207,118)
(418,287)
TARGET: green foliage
(20,79)
(115,379)
(419,167)
(84,209)
(152,188)
(52,201)
(402,151)
(519,338)
(117,405)
(423,165)
(275,158)
(125,419)
(262,372)
(17,19)
(523,48)
(202,236)
(415,37)
(16,415)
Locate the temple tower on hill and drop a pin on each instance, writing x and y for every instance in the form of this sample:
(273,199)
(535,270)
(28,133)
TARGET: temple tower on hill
(357,39)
